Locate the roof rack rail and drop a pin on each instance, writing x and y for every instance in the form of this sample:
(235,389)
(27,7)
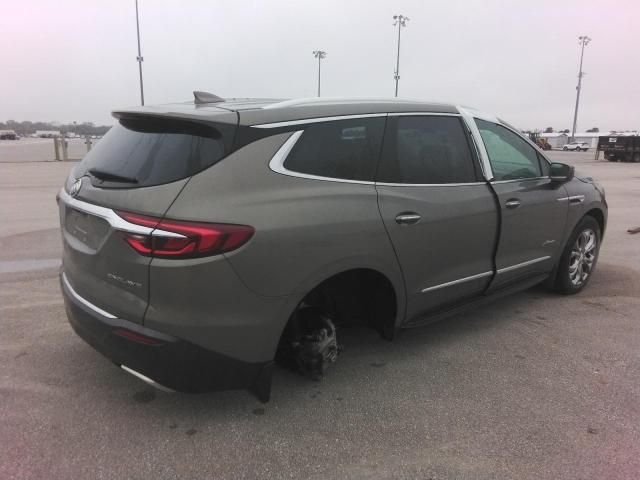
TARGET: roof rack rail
(205,97)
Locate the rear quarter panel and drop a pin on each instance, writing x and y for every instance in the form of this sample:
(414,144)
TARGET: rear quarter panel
(306,230)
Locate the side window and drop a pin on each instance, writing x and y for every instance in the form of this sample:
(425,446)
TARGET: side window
(343,149)
(510,156)
(426,149)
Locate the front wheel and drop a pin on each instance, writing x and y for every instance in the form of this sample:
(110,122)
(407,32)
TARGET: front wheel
(579,258)
(565,149)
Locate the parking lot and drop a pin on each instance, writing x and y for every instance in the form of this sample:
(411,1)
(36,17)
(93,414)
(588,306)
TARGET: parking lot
(533,386)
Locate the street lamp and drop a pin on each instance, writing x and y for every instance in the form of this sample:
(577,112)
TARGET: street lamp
(400,21)
(319,54)
(139,57)
(583,41)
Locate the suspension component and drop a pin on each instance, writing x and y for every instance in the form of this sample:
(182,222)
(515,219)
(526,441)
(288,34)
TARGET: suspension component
(311,343)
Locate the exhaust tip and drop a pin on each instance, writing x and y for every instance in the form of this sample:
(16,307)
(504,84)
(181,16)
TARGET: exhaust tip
(146,379)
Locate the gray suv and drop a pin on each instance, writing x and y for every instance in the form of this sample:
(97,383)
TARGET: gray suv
(205,240)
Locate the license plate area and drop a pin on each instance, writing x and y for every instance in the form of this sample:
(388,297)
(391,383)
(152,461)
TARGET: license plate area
(87,228)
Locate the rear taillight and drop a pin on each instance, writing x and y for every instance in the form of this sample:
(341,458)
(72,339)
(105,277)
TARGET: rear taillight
(180,239)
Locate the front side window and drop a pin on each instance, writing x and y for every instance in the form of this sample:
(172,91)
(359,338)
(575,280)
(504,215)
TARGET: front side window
(426,150)
(343,149)
(510,156)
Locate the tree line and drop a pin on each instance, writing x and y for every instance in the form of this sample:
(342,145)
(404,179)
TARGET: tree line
(27,128)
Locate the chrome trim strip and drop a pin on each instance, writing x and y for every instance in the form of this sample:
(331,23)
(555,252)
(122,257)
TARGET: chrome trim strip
(523,264)
(276,163)
(518,180)
(387,184)
(83,301)
(418,114)
(485,165)
(115,220)
(146,379)
(305,121)
(573,198)
(455,282)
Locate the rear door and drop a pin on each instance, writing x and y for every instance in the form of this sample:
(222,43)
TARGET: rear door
(533,213)
(439,212)
(140,166)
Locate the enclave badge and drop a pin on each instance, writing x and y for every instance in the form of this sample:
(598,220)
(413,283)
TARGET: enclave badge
(75,188)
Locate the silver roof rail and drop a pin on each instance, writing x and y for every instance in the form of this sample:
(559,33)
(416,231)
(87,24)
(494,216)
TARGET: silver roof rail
(206,97)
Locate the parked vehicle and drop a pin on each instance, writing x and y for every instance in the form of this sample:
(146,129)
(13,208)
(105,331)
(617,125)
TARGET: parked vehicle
(202,241)
(9,135)
(576,146)
(620,148)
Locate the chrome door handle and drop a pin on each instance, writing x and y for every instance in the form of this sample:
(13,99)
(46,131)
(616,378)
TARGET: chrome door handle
(407,218)
(514,203)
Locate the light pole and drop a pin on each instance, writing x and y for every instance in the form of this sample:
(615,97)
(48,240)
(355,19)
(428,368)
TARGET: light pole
(319,54)
(400,21)
(583,41)
(139,57)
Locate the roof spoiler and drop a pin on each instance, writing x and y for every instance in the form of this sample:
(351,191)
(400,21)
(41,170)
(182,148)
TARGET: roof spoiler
(206,97)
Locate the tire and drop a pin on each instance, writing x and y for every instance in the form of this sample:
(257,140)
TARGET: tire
(565,149)
(577,257)
(636,157)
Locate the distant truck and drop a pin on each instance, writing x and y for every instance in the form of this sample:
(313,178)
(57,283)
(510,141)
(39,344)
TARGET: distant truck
(620,148)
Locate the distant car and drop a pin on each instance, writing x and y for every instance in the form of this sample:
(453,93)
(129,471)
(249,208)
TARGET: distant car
(9,135)
(576,146)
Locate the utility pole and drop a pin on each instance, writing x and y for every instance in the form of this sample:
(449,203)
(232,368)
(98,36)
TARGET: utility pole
(139,57)
(400,21)
(319,54)
(583,41)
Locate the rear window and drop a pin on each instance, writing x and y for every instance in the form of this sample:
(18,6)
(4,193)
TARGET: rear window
(140,152)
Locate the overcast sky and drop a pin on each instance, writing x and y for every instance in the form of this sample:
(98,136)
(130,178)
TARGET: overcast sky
(72,60)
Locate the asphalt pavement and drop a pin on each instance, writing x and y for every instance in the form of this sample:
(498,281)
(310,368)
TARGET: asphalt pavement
(533,386)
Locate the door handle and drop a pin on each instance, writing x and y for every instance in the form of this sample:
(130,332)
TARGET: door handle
(513,203)
(407,218)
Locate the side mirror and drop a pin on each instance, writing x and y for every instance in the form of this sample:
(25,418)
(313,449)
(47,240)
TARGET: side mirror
(561,172)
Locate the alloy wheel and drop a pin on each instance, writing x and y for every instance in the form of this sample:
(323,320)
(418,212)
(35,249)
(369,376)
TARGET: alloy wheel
(583,257)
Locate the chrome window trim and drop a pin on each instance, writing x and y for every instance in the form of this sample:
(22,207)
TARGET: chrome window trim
(306,121)
(84,301)
(485,165)
(389,184)
(115,220)
(523,264)
(526,179)
(276,164)
(423,114)
(455,282)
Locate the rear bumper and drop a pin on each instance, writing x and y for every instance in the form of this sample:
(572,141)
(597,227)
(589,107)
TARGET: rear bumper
(166,360)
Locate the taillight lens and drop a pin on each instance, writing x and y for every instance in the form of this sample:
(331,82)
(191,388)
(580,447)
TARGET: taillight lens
(194,239)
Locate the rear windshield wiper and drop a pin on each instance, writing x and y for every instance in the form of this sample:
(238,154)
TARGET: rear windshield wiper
(109,176)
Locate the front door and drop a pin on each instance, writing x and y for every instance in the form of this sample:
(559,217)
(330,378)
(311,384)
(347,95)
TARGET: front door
(533,218)
(440,214)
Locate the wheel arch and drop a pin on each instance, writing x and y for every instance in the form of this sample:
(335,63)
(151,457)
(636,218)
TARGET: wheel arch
(599,217)
(385,276)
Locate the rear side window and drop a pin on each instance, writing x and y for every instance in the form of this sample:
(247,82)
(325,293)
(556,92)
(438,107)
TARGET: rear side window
(510,156)
(426,150)
(140,152)
(343,149)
